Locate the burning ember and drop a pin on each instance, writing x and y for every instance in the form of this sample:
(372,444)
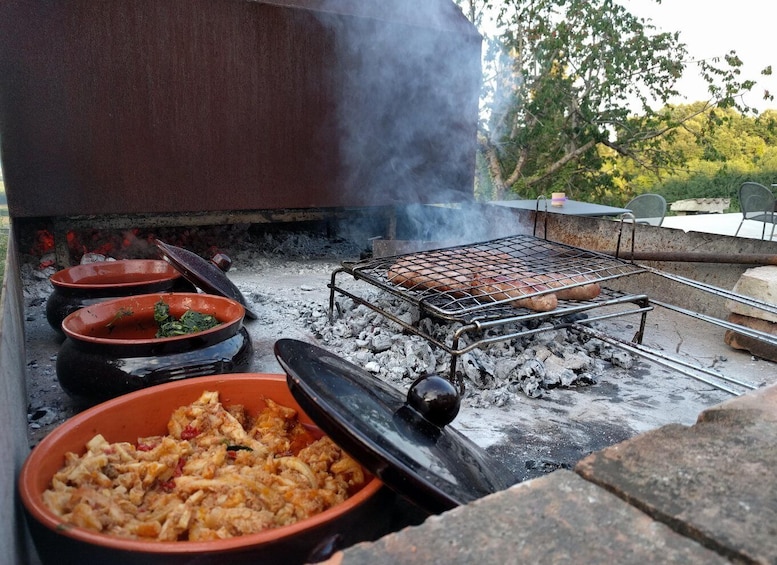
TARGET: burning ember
(129,244)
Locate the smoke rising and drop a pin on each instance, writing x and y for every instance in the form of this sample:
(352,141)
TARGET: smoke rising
(406,80)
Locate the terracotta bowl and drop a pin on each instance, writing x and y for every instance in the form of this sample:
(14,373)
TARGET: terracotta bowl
(144,413)
(111,348)
(82,285)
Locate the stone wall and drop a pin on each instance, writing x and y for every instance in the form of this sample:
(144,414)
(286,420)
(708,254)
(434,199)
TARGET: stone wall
(13,419)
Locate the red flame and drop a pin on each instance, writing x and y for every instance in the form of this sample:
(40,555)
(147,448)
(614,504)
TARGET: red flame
(44,242)
(128,244)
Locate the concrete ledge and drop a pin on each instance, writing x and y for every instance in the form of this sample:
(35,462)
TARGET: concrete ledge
(559,518)
(713,482)
(759,406)
(16,547)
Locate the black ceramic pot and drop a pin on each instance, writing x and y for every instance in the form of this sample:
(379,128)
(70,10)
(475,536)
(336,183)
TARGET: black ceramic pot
(111,349)
(87,284)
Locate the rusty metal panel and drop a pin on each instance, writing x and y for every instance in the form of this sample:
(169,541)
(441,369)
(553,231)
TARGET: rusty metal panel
(183,106)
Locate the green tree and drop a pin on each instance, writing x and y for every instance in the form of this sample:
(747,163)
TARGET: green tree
(719,149)
(570,90)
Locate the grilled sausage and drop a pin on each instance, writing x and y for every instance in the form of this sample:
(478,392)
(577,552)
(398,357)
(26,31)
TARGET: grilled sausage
(423,275)
(501,287)
(580,292)
(488,274)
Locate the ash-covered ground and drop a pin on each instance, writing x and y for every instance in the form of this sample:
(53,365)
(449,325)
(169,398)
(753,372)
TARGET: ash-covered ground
(537,403)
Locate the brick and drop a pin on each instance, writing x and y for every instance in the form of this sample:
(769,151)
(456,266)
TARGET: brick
(757,347)
(759,283)
(559,518)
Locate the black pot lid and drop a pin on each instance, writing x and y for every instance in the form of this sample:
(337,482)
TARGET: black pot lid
(203,274)
(396,438)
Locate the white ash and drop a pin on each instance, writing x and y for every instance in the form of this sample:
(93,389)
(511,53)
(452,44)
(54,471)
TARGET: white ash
(35,281)
(530,365)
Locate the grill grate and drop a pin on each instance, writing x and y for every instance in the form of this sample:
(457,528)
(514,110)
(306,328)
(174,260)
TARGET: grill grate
(472,281)
(495,284)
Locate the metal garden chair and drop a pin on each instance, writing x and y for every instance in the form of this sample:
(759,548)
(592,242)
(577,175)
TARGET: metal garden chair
(648,209)
(758,205)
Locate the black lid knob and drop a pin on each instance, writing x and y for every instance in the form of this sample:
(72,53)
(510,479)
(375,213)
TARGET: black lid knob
(222,261)
(435,398)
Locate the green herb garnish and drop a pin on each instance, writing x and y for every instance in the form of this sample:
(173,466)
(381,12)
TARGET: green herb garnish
(190,322)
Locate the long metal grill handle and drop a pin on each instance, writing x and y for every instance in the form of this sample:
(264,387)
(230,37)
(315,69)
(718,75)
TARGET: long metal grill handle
(677,365)
(730,295)
(744,330)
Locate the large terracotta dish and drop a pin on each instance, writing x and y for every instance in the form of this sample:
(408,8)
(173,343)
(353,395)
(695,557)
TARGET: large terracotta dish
(82,285)
(130,321)
(111,348)
(146,412)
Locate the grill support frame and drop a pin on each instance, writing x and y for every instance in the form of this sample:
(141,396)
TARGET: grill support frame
(635,346)
(455,349)
(499,314)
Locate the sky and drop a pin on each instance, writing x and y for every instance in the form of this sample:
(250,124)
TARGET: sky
(712,29)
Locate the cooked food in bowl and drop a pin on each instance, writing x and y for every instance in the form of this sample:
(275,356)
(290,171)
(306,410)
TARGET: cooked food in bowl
(145,414)
(152,316)
(220,472)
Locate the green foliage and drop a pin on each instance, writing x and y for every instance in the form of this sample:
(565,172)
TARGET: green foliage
(709,162)
(570,87)
(190,322)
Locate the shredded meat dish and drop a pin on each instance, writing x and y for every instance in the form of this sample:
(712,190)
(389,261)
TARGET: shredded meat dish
(219,473)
